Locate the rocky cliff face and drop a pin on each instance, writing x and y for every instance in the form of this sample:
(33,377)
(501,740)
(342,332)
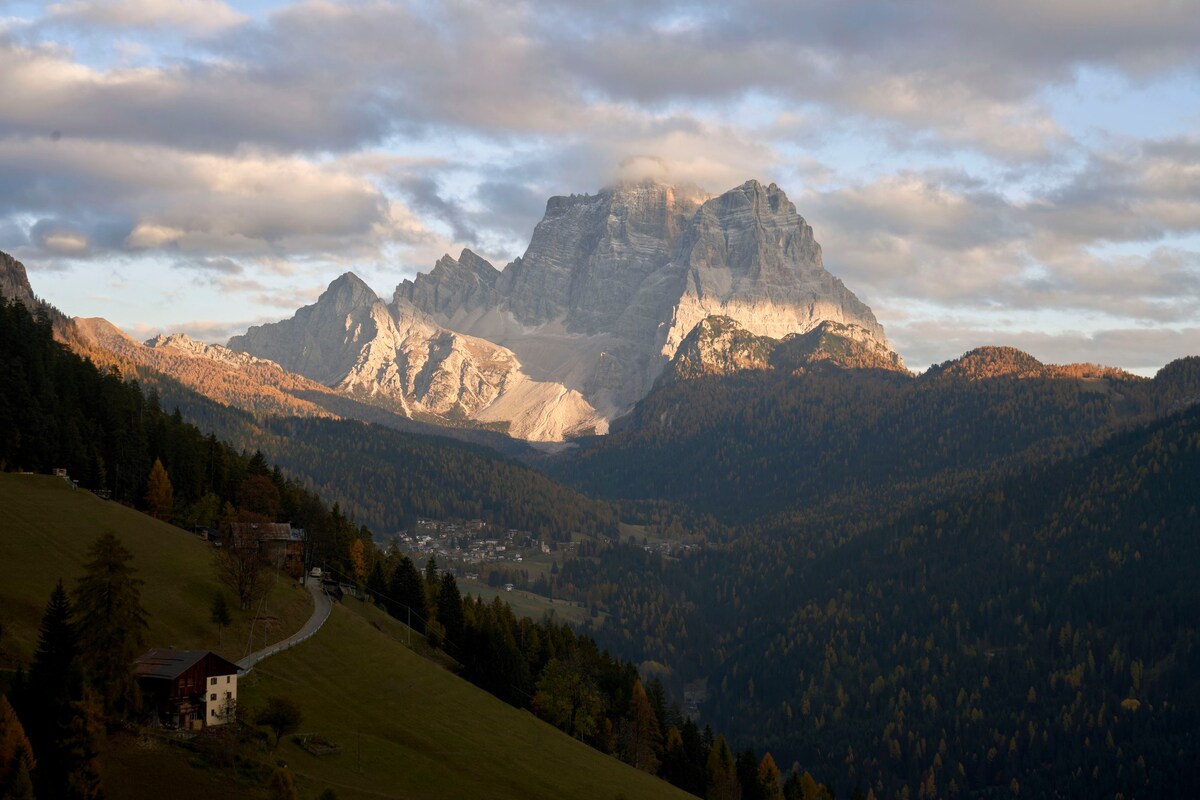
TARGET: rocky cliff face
(14,283)
(590,255)
(185,345)
(453,286)
(720,346)
(575,331)
(350,340)
(749,256)
(612,284)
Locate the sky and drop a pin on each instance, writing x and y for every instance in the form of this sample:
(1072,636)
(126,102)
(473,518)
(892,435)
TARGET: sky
(1021,173)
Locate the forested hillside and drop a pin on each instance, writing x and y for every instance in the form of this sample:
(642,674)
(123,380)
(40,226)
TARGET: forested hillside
(841,443)
(386,478)
(1039,635)
(58,410)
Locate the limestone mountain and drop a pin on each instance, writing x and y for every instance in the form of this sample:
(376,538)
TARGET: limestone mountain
(14,283)
(399,357)
(720,346)
(612,283)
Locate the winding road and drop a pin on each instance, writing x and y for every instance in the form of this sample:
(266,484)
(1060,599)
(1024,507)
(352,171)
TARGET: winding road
(321,610)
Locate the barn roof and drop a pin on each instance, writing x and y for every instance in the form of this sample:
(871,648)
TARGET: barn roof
(168,663)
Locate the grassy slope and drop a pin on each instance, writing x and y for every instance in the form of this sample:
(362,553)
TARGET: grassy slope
(45,530)
(527,604)
(418,731)
(424,732)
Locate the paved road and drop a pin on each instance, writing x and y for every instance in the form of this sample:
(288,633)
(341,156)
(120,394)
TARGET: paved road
(321,609)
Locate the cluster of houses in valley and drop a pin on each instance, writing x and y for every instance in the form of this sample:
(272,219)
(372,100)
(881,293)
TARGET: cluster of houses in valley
(468,543)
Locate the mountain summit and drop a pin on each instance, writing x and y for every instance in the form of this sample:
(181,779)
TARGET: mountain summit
(577,329)
(14,283)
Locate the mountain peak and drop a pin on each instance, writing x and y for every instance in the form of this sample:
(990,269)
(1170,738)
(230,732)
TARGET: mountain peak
(452,285)
(991,362)
(14,282)
(348,292)
(720,345)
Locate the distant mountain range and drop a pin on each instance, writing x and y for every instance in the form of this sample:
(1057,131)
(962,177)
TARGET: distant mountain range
(570,335)
(637,286)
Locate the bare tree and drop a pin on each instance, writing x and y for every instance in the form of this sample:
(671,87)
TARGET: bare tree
(242,570)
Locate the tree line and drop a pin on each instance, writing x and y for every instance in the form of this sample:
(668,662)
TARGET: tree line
(566,679)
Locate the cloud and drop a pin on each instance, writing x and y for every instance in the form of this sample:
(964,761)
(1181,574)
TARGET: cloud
(249,205)
(943,238)
(203,16)
(920,139)
(1143,350)
(212,265)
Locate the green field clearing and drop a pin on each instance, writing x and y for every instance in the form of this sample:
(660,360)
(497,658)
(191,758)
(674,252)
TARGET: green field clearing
(45,530)
(527,604)
(409,728)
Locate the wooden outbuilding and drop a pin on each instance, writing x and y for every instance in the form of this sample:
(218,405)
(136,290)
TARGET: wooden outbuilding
(189,689)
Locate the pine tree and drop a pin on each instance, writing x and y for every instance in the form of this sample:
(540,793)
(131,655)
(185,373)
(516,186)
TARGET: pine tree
(58,646)
(722,774)
(377,586)
(112,625)
(160,498)
(747,773)
(408,590)
(450,612)
(55,682)
(641,741)
(16,756)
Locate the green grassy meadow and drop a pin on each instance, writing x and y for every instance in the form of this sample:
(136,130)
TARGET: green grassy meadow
(527,604)
(46,528)
(409,728)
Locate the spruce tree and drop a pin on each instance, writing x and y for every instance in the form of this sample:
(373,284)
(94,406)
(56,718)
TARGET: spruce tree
(408,590)
(450,613)
(58,646)
(377,587)
(112,625)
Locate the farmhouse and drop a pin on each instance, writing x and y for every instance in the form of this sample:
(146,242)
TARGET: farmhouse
(277,542)
(189,689)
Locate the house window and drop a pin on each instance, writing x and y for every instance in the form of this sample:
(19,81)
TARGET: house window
(229,695)
(212,696)
(212,713)
(214,681)
(227,679)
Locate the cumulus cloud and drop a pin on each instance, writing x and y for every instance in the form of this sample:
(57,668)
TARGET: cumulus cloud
(937,237)
(197,15)
(248,204)
(918,138)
